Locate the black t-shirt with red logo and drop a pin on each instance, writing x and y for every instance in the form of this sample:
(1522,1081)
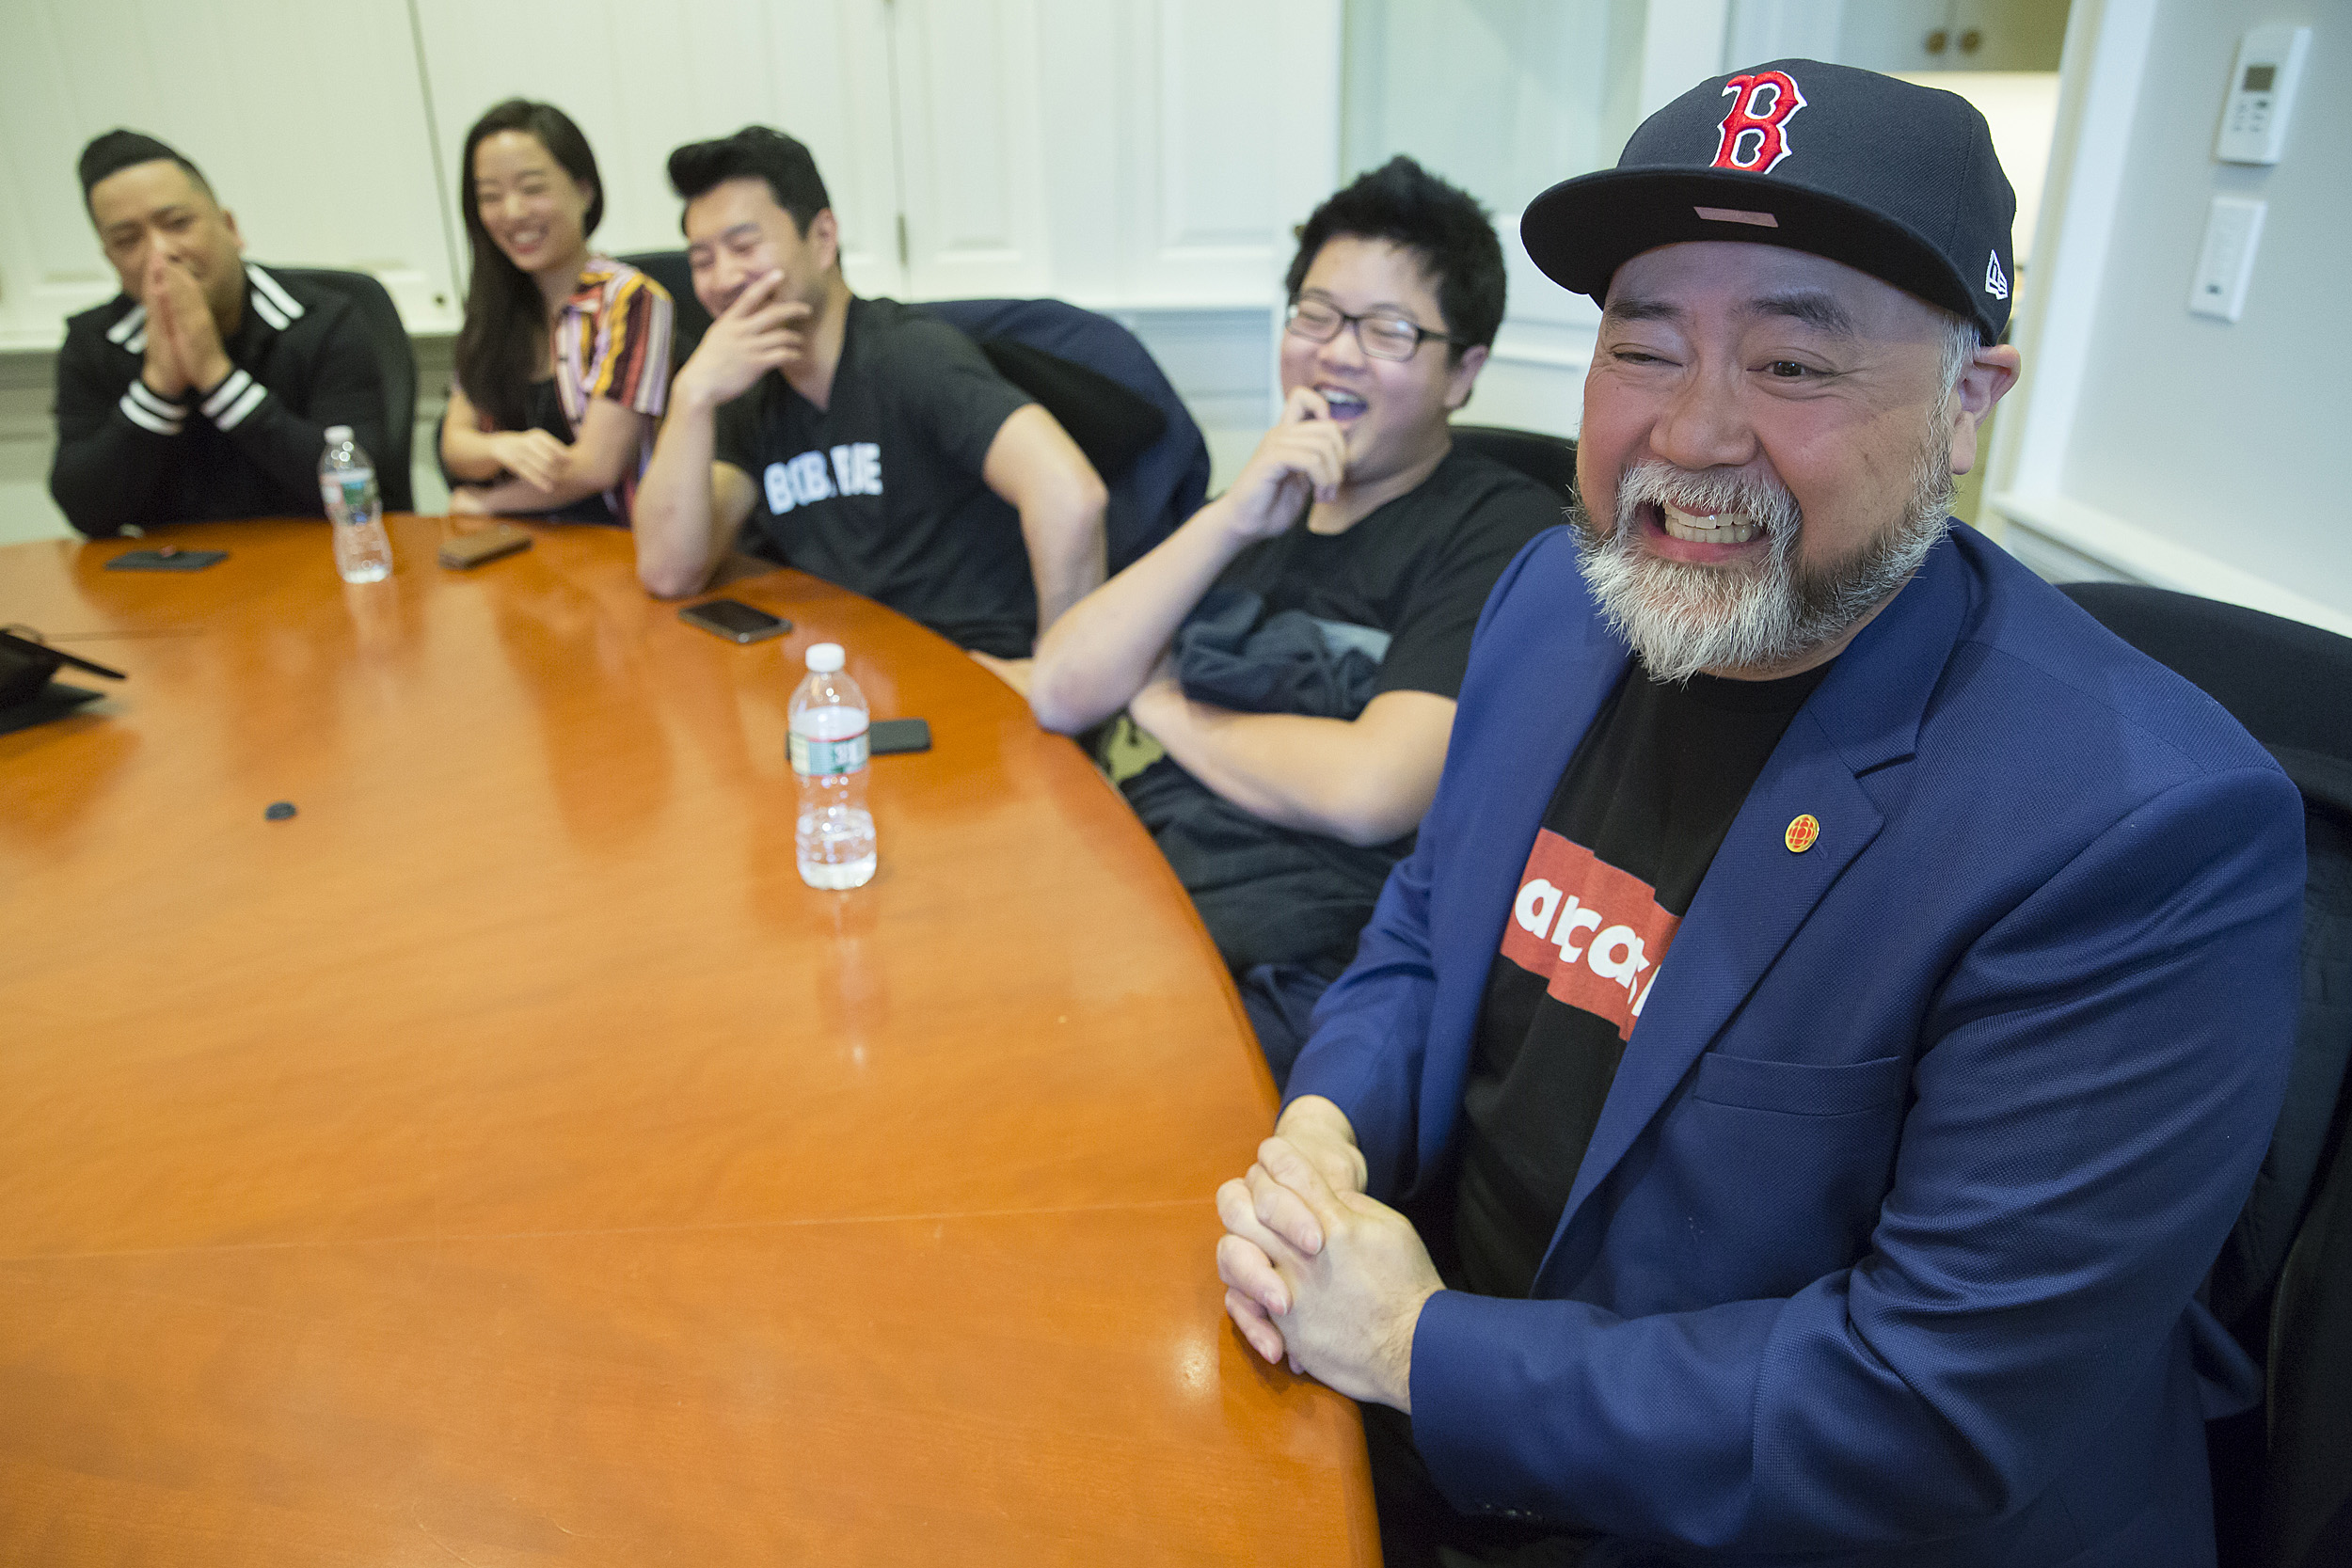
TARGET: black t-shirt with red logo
(1640,812)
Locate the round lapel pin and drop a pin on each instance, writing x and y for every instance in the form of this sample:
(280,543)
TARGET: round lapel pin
(1802,832)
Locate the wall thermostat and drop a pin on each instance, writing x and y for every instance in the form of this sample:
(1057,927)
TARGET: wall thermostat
(2262,93)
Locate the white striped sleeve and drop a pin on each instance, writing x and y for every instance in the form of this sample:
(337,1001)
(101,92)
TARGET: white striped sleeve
(143,406)
(228,404)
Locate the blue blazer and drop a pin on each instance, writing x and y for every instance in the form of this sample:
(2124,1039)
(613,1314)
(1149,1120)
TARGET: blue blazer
(1884,1249)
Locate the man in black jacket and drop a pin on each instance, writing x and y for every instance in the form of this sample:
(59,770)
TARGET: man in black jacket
(206,387)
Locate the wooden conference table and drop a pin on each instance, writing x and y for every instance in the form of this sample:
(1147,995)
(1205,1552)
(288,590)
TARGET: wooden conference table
(506,1159)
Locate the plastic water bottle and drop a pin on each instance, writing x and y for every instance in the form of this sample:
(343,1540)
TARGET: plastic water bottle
(363,551)
(834,838)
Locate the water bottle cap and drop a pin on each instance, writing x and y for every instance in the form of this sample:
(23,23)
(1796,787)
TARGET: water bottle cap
(338,434)
(824,657)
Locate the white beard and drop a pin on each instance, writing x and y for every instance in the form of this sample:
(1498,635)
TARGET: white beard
(1682,618)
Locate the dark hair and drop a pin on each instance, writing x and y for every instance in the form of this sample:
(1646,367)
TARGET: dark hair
(1451,235)
(119,149)
(498,348)
(754,152)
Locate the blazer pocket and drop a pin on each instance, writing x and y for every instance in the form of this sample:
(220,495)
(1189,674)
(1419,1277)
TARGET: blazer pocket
(1802,1088)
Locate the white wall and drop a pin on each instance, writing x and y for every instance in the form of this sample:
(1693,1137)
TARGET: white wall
(1506,98)
(2163,447)
(1144,157)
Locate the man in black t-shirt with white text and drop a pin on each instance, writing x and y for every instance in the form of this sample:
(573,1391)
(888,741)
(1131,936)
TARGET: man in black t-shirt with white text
(872,445)
(1360,513)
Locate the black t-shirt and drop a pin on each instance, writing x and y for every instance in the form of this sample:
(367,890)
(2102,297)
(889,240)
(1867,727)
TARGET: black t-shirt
(1410,578)
(880,491)
(1640,812)
(1417,570)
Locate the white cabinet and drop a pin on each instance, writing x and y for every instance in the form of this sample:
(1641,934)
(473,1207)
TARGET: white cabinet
(1904,35)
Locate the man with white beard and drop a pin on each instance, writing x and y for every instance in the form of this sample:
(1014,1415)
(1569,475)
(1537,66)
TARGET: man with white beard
(1840,996)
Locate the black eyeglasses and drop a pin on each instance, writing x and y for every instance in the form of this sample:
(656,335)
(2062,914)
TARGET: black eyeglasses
(1381,336)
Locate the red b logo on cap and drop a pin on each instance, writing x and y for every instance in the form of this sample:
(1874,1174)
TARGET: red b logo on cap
(1755,129)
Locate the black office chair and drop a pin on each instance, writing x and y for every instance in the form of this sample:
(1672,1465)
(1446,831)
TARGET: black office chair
(1098,380)
(1548,460)
(2282,1474)
(397,364)
(688,321)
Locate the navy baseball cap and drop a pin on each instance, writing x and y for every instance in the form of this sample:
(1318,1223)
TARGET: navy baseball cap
(1894,180)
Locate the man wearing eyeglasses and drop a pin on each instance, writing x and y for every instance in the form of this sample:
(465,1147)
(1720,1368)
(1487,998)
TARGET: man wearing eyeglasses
(1342,574)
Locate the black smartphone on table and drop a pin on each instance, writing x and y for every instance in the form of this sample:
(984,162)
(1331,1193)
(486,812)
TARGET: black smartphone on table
(734,620)
(170,558)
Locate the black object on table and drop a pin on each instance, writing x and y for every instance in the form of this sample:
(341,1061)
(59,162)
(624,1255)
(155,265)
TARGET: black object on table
(29,694)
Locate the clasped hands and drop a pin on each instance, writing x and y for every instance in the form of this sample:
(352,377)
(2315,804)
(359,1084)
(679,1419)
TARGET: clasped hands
(183,348)
(530,458)
(1315,1271)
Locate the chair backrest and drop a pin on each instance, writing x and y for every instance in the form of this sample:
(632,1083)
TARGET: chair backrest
(688,321)
(1169,479)
(1166,482)
(2291,685)
(1548,460)
(395,362)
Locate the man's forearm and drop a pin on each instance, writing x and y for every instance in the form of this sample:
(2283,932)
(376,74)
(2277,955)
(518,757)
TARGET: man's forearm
(1336,776)
(1093,661)
(676,551)
(108,479)
(1283,767)
(1062,527)
(1067,553)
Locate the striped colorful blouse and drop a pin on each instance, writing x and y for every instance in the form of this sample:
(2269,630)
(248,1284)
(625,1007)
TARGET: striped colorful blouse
(613,340)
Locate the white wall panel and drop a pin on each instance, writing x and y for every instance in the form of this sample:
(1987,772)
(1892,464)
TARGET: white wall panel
(971,148)
(641,80)
(304,114)
(2179,450)
(1231,136)
(1503,98)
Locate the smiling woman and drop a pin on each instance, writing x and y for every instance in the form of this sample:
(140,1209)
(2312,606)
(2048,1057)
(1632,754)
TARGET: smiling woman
(564,362)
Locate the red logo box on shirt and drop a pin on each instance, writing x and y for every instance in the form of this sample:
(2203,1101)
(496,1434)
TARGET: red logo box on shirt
(1596,934)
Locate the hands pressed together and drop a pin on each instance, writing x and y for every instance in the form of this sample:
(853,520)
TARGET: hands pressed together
(1315,1271)
(183,348)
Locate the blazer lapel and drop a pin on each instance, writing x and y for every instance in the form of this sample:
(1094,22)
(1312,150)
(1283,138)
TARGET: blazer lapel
(1758,891)
(1757,894)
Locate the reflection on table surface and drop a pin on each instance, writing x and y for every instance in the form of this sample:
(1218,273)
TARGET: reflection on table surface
(507,1160)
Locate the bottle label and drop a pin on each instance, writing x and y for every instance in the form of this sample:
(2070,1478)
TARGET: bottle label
(346,493)
(813,758)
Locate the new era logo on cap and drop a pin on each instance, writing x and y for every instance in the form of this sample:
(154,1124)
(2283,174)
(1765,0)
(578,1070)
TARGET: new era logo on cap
(1889,178)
